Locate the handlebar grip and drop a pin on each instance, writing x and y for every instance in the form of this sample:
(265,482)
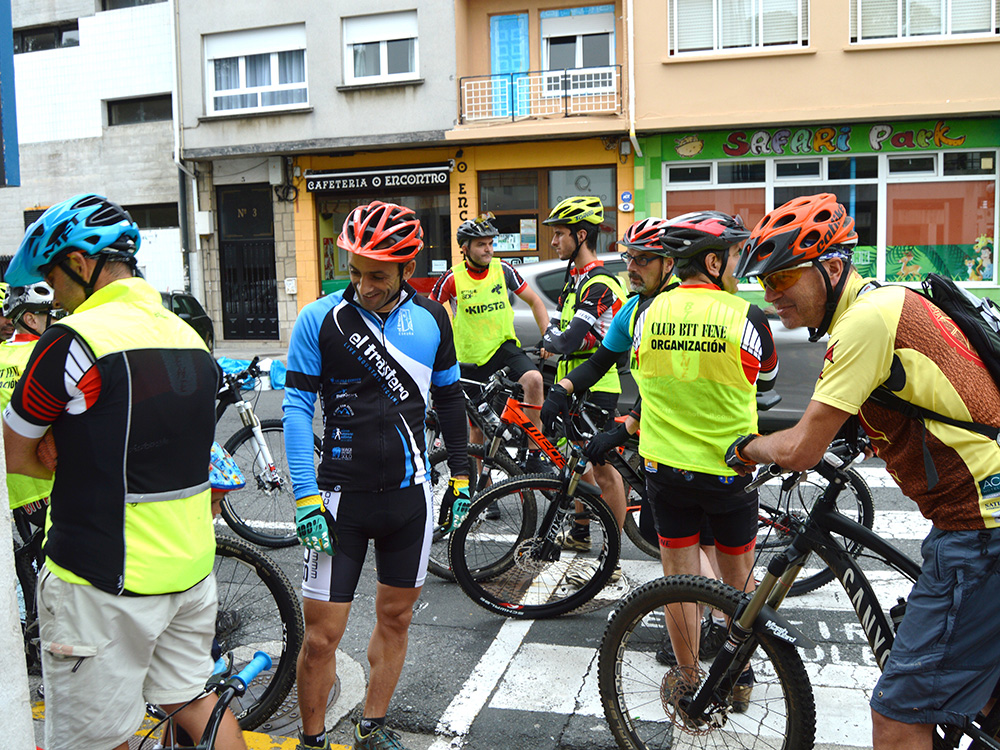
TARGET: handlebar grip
(765,474)
(258,664)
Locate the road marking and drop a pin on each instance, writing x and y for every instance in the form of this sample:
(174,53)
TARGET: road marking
(464,707)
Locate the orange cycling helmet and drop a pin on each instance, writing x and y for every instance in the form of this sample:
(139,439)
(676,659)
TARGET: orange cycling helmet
(378,223)
(808,228)
(805,230)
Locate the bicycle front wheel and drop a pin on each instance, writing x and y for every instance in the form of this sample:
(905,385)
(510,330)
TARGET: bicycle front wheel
(503,563)
(263,512)
(503,468)
(640,694)
(258,611)
(781,510)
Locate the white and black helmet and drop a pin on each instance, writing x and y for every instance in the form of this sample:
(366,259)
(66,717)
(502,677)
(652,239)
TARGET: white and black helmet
(34,298)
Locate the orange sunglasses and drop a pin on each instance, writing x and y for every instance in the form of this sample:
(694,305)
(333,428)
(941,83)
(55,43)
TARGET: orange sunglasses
(784,279)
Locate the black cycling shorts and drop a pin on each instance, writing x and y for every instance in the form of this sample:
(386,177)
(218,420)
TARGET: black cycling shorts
(400,523)
(681,500)
(508,355)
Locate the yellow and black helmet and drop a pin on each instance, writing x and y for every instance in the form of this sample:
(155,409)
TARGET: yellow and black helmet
(4,290)
(578,209)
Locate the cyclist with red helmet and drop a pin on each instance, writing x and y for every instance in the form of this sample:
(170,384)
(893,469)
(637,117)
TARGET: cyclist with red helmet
(701,355)
(372,353)
(945,660)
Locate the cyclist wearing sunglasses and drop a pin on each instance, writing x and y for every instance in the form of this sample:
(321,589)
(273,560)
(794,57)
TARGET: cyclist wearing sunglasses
(701,353)
(478,290)
(939,670)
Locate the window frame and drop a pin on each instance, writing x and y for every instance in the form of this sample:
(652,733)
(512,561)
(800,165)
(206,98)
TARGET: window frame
(113,104)
(857,25)
(802,26)
(58,30)
(555,27)
(353,37)
(255,43)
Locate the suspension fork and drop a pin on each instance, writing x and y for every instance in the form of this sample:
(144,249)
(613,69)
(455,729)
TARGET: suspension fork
(263,462)
(739,646)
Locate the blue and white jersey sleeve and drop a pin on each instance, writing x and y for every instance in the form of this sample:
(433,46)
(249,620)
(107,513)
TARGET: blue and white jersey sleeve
(301,390)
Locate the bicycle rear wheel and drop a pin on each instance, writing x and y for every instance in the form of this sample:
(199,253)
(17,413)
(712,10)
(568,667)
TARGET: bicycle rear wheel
(636,507)
(780,509)
(503,468)
(640,695)
(263,512)
(496,554)
(258,610)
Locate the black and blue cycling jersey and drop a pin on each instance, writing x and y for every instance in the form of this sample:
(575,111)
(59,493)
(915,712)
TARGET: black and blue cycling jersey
(374,375)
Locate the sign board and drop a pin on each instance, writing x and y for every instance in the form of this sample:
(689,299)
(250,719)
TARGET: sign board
(381,179)
(10,167)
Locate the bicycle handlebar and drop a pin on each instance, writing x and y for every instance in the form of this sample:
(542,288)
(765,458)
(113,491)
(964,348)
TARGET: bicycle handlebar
(249,673)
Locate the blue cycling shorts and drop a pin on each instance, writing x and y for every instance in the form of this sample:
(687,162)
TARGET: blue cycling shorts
(945,660)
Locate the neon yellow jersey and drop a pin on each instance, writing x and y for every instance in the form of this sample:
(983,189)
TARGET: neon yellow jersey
(484,318)
(14,355)
(696,396)
(891,334)
(609,382)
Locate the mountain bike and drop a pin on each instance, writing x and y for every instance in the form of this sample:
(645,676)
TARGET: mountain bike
(649,705)
(226,687)
(258,609)
(506,555)
(263,512)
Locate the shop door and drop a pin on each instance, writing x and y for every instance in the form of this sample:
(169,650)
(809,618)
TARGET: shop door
(246,260)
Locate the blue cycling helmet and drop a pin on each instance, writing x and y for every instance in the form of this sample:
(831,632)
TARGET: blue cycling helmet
(223,473)
(89,223)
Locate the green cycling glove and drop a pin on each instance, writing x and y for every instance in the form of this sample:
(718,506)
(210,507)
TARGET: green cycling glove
(314,524)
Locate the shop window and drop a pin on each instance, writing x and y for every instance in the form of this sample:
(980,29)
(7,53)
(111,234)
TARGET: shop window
(141,109)
(797,170)
(690,173)
(912,164)
(725,25)
(941,227)
(260,69)
(853,168)
(878,20)
(52,36)
(747,203)
(380,48)
(970,163)
(741,172)
(509,191)
(578,46)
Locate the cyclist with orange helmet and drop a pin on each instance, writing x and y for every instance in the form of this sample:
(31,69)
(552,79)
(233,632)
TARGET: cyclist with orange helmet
(373,353)
(945,660)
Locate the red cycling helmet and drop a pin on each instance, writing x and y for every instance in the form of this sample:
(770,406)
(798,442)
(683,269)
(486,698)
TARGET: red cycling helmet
(644,236)
(378,223)
(804,229)
(689,235)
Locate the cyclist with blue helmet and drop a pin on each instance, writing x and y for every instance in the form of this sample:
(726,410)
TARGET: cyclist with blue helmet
(127,390)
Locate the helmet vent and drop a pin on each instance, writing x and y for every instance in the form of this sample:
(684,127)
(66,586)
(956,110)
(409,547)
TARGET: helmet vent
(822,216)
(782,220)
(810,238)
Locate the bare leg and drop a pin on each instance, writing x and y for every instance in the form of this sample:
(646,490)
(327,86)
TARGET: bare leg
(683,620)
(612,490)
(194,717)
(889,734)
(387,647)
(533,394)
(317,666)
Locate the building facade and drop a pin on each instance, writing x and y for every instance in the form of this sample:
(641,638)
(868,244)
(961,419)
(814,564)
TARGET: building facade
(289,118)
(888,106)
(85,126)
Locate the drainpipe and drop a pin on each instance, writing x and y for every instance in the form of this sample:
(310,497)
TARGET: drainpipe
(195,276)
(630,61)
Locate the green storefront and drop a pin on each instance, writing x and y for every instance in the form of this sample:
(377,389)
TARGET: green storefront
(923,193)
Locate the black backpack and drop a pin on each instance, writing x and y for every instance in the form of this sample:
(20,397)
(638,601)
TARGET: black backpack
(979,319)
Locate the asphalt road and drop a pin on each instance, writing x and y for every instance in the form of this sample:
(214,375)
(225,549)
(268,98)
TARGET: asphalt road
(474,679)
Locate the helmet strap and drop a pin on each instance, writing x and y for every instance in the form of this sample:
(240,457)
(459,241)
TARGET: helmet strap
(21,322)
(472,263)
(832,299)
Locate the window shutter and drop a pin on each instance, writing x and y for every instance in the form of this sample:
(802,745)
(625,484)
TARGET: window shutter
(782,21)
(970,16)
(879,19)
(693,25)
(736,21)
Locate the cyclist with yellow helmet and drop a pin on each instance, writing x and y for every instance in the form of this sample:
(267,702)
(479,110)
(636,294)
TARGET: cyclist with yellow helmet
(590,297)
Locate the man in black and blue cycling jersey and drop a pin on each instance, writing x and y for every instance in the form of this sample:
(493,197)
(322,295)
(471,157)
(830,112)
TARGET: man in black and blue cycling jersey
(373,353)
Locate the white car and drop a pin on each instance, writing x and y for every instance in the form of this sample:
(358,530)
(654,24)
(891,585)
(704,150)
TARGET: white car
(799,362)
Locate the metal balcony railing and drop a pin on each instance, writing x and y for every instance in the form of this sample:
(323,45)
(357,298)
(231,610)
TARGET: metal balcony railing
(513,96)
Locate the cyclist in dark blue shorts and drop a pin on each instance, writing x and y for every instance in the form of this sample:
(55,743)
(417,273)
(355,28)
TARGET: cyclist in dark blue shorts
(373,353)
